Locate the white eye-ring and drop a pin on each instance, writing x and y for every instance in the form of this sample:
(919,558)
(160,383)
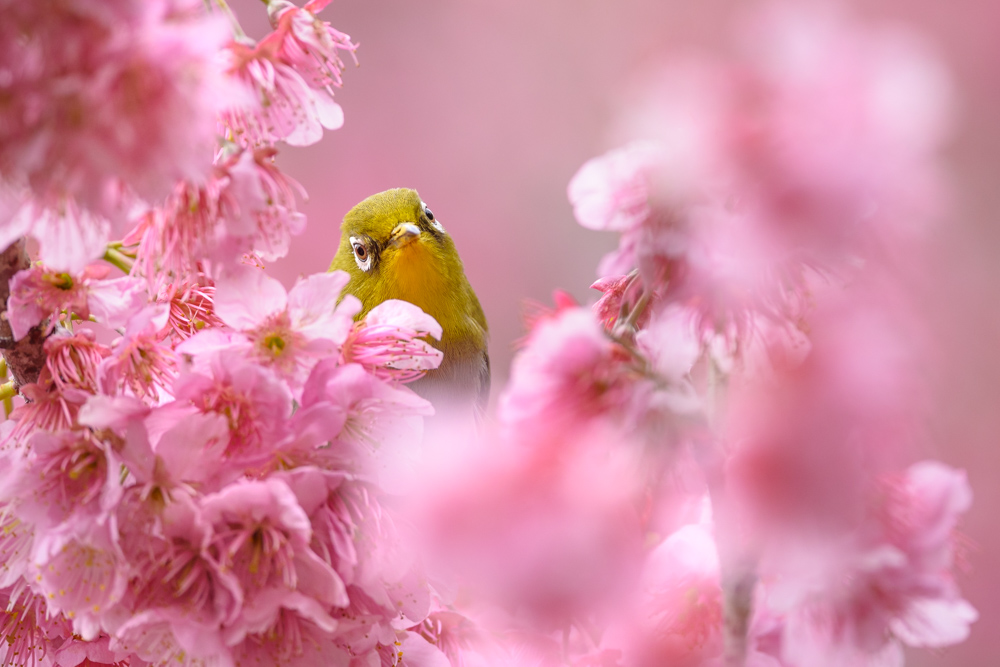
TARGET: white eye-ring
(361,254)
(430,216)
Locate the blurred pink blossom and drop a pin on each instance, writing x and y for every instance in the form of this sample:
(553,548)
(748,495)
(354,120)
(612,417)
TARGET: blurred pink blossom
(125,94)
(677,618)
(892,586)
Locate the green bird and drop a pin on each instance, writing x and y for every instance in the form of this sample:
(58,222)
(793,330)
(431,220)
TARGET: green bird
(393,247)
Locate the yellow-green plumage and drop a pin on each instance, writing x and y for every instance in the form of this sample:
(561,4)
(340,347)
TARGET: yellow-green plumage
(424,269)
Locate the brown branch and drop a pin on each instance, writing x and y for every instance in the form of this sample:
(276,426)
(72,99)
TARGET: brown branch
(26,357)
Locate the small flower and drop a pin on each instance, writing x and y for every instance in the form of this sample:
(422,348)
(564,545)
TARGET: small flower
(308,44)
(63,478)
(73,361)
(28,635)
(268,196)
(613,191)
(254,402)
(288,332)
(49,408)
(262,536)
(69,236)
(893,585)
(192,307)
(387,344)
(80,572)
(284,107)
(140,361)
(40,292)
(375,414)
(569,370)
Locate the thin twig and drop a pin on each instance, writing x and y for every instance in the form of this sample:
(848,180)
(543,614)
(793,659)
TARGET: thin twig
(233,21)
(737,571)
(640,308)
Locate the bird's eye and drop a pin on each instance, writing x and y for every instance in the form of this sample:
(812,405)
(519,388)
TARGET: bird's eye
(362,257)
(428,213)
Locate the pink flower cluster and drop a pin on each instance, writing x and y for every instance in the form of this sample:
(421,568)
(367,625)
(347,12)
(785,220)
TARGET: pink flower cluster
(208,498)
(112,116)
(205,487)
(714,464)
(289,76)
(196,477)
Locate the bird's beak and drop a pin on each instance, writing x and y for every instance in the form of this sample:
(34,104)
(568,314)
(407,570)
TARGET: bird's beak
(403,233)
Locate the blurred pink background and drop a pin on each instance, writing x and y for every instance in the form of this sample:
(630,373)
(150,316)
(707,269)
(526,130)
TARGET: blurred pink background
(489,108)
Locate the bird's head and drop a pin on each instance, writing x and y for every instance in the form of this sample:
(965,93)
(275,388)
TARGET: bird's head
(393,248)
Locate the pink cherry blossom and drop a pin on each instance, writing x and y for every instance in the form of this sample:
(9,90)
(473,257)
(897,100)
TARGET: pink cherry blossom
(568,369)
(677,616)
(388,343)
(269,196)
(301,633)
(284,107)
(64,478)
(572,373)
(99,100)
(39,293)
(181,595)
(262,536)
(139,361)
(357,536)
(29,635)
(613,191)
(192,306)
(288,332)
(377,418)
(69,236)
(254,402)
(50,408)
(892,586)
(308,44)
(619,297)
(73,361)
(79,571)
(199,229)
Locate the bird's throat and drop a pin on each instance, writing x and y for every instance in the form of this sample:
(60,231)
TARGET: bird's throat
(420,278)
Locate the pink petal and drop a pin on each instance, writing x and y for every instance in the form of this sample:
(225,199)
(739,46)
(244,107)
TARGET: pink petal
(418,652)
(113,302)
(404,315)
(313,308)
(246,297)
(935,622)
